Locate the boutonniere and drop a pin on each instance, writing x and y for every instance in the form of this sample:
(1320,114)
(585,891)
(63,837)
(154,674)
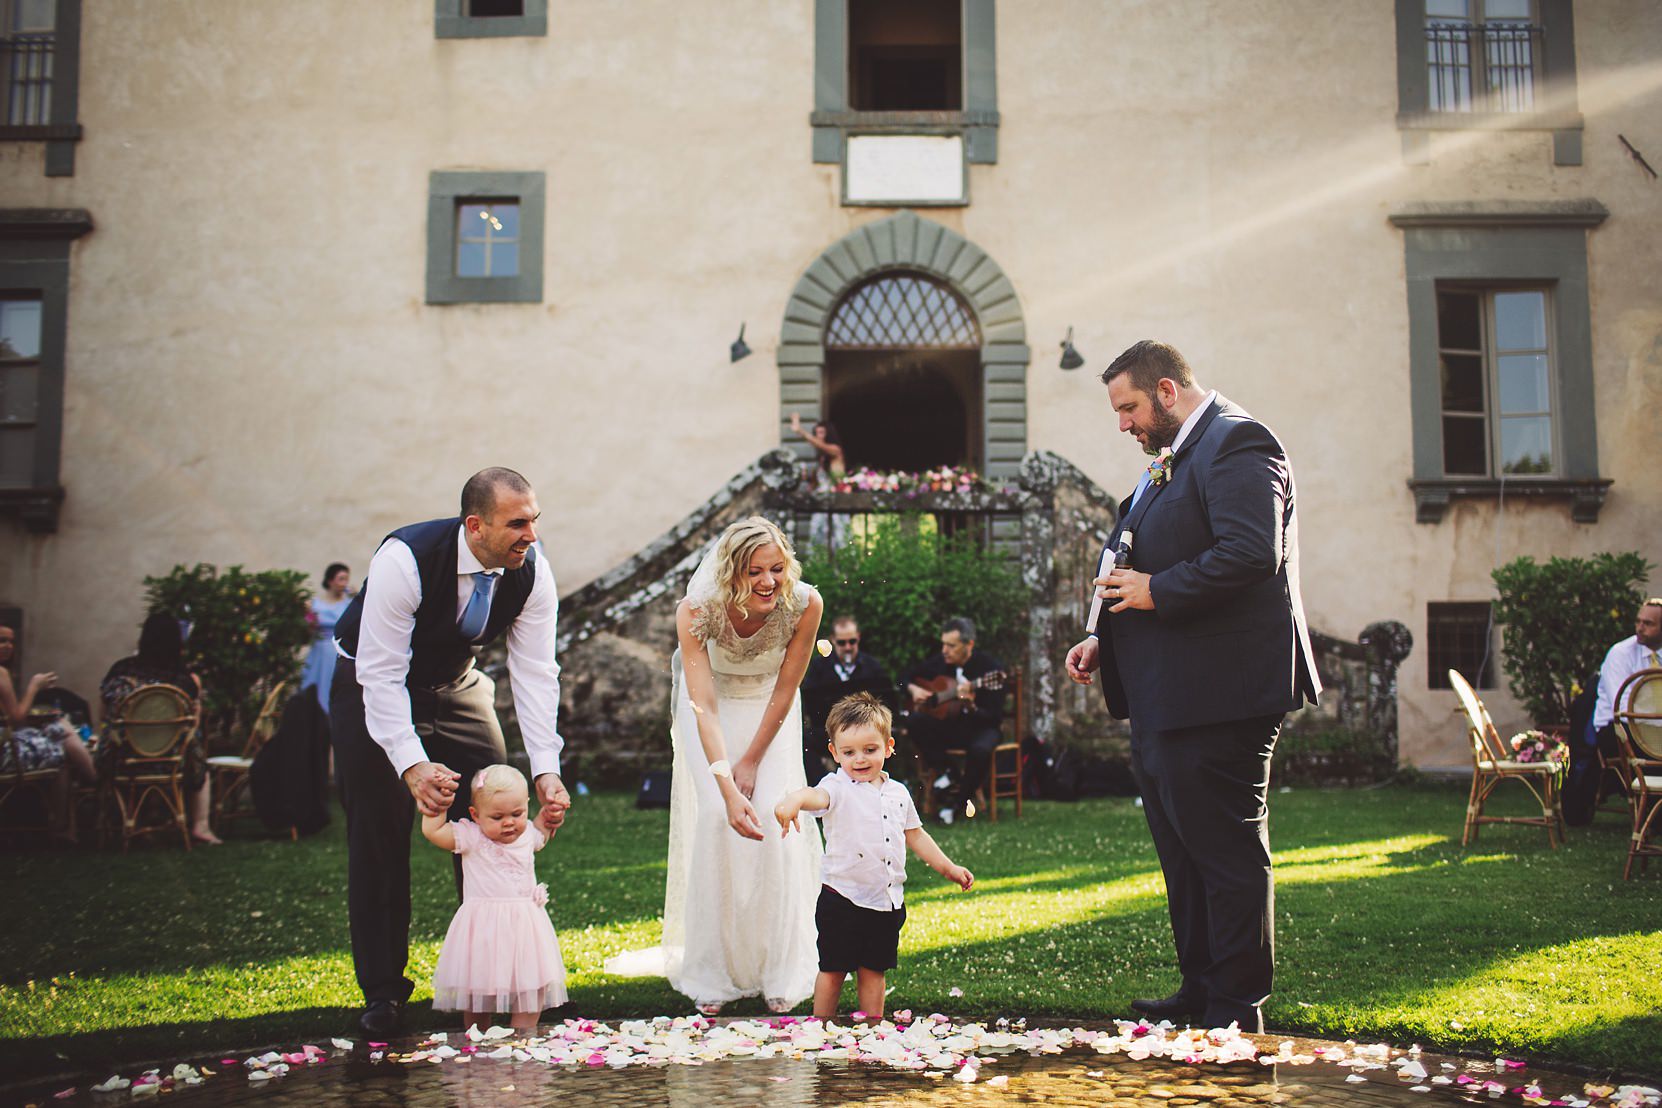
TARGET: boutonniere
(1159,470)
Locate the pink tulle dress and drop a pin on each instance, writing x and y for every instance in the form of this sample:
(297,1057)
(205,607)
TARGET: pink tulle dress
(500,954)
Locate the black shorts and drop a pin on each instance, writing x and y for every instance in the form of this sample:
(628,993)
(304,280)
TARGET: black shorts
(854,938)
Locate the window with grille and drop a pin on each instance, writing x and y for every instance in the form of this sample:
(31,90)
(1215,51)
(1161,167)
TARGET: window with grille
(1459,636)
(27,33)
(1481,55)
(1496,368)
(902,311)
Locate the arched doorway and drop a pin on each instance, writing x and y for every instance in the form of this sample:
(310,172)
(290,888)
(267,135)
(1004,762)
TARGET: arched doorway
(902,381)
(854,283)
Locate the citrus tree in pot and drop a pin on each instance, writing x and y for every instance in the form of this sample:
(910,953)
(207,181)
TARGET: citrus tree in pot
(1558,619)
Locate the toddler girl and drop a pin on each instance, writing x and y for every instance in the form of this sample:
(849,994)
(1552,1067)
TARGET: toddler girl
(500,954)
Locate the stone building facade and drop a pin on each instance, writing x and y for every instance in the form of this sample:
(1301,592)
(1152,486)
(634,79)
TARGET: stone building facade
(275,278)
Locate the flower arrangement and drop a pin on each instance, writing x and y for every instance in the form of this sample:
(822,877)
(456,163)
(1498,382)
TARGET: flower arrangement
(943,479)
(1538,746)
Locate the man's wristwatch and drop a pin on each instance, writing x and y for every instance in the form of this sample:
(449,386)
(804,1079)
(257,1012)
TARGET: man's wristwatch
(722,769)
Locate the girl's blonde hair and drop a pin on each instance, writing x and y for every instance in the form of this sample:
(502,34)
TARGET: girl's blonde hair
(737,545)
(498,779)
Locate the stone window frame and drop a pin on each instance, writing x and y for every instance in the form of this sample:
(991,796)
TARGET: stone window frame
(35,246)
(61,132)
(904,241)
(1504,242)
(450,20)
(447,188)
(833,120)
(1557,87)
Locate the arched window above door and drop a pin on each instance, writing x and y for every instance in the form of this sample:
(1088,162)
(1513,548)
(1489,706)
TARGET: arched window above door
(900,311)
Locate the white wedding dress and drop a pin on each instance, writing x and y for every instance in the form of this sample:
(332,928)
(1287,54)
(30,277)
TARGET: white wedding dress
(738,914)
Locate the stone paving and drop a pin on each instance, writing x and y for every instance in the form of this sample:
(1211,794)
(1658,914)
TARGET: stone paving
(1057,1066)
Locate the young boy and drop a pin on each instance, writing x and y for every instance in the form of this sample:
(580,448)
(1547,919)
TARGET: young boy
(869,821)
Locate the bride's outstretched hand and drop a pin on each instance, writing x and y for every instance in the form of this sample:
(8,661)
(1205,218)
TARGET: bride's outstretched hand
(741,817)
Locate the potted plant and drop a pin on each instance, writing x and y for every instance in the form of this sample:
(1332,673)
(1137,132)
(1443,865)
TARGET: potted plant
(1558,620)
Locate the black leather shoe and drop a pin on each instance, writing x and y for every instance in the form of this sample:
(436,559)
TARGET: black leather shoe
(1177,1006)
(380,1019)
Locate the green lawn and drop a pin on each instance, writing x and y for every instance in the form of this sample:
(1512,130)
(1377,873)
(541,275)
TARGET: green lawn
(1387,929)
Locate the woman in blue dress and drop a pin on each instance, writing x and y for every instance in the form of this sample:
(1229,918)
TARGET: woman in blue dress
(326,610)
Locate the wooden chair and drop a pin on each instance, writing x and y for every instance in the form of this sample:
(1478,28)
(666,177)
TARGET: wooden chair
(1002,781)
(154,725)
(1492,763)
(230,771)
(1638,720)
(17,782)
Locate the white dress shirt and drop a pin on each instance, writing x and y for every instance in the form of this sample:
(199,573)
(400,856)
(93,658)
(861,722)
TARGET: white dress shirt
(1624,660)
(388,620)
(865,839)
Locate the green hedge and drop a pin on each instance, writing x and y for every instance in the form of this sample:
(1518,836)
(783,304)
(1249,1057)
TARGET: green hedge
(901,580)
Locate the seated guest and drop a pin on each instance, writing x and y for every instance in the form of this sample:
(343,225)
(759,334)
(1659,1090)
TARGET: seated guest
(160,661)
(1642,650)
(847,670)
(41,739)
(950,712)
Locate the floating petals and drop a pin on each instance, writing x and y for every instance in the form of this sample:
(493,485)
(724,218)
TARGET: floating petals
(824,648)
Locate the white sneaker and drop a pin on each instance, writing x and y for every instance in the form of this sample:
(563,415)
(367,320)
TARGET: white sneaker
(948,815)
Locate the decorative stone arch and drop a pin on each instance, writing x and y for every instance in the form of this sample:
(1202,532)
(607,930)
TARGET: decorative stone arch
(905,242)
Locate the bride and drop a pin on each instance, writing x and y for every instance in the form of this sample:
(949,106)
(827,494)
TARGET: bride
(739,898)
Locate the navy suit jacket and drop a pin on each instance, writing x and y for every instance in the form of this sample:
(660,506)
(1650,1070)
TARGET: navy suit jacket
(1226,639)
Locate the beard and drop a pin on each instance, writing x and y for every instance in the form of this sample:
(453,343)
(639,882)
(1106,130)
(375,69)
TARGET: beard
(1163,426)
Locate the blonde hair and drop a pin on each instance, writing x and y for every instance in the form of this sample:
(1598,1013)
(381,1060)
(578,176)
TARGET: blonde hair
(859,710)
(496,779)
(737,545)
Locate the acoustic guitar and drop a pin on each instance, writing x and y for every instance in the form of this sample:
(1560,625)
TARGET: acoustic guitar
(944,701)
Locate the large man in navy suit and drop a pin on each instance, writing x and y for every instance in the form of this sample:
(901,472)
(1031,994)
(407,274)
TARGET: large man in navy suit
(1202,645)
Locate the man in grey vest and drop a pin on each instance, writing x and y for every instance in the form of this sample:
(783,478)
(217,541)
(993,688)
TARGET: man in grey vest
(414,719)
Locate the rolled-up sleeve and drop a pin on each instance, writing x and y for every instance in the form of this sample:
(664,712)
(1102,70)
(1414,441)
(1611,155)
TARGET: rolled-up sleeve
(534,673)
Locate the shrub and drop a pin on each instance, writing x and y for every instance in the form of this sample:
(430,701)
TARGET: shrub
(901,580)
(246,630)
(1558,621)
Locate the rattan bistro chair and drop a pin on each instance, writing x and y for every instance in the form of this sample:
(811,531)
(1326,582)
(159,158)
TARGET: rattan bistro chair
(230,772)
(154,726)
(1639,731)
(1492,764)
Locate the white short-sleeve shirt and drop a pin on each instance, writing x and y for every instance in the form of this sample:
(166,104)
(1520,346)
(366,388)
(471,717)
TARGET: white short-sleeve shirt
(865,839)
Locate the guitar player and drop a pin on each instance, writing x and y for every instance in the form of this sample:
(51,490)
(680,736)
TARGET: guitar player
(957,703)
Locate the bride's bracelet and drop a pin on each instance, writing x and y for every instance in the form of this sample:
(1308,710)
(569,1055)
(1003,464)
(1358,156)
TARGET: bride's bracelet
(722,769)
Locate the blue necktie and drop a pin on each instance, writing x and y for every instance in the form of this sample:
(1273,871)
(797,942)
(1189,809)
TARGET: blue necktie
(478,610)
(1142,483)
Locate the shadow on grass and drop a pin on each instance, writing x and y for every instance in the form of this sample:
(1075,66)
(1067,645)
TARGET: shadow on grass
(1383,920)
